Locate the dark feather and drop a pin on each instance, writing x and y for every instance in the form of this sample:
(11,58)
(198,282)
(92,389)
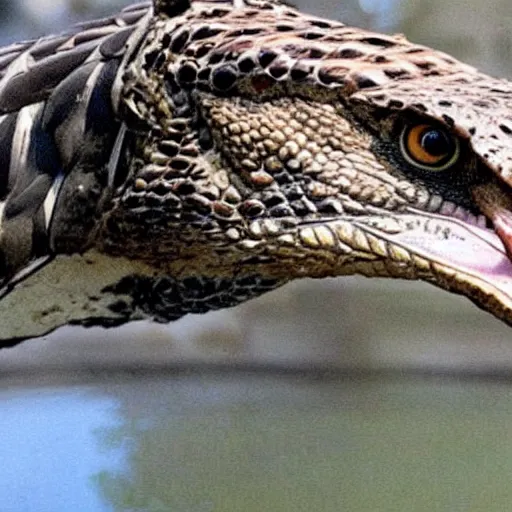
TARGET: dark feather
(100,103)
(56,101)
(37,82)
(31,70)
(113,46)
(7,127)
(64,97)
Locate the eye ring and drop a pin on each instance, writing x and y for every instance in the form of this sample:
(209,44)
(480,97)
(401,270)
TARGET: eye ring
(429,147)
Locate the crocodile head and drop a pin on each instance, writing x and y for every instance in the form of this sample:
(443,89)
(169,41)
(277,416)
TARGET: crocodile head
(248,145)
(278,145)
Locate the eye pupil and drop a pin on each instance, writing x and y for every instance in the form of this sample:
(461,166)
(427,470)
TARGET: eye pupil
(436,142)
(429,147)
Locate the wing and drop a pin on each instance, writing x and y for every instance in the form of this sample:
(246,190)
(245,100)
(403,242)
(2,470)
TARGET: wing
(57,114)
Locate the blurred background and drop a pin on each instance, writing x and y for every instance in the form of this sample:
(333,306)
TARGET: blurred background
(341,394)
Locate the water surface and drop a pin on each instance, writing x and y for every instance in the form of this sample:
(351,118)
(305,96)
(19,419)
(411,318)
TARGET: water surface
(256,441)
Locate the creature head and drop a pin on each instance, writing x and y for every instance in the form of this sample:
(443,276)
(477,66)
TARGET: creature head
(281,145)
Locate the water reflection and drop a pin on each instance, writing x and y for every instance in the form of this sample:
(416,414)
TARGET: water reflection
(255,443)
(49,449)
(252,442)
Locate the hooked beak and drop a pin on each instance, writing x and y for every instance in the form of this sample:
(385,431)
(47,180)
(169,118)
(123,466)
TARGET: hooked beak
(453,254)
(496,204)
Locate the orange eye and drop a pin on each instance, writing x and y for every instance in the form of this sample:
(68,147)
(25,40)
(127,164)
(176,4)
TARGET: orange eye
(429,147)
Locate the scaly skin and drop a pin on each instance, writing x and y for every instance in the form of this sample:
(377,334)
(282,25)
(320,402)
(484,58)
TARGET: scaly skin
(240,146)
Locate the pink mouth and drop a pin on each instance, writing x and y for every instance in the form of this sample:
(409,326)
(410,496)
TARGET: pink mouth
(477,254)
(470,249)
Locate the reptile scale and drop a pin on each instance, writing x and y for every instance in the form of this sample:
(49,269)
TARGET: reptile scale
(186,156)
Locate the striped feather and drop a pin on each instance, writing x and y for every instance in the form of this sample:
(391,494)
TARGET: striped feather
(57,117)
